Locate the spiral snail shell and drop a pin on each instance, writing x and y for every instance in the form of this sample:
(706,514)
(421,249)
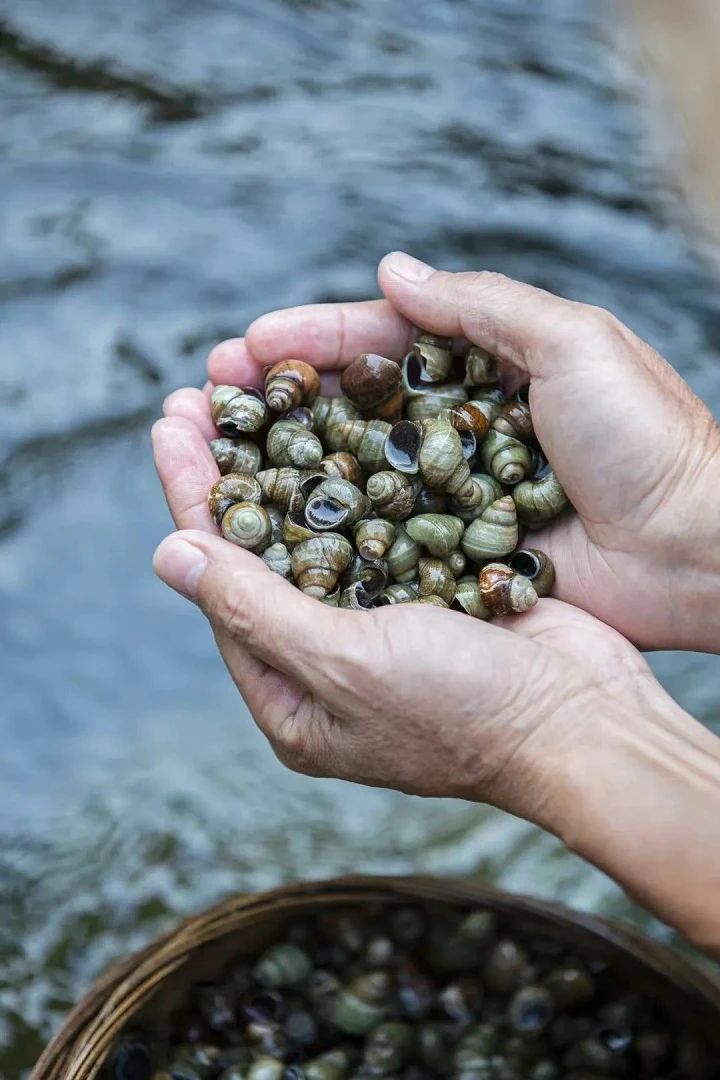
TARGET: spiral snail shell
(515,419)
(331,1065)
(436,579)
(434,601)
(301,414)
(335,503)
(277,558)
(370,381)
(364,1003)
(247,525)
(373,573)
(277,520)
(328,412)
(296,528)
(358,597)
(318,562)
(283,965)
(281,487)
(399,593)
(540,500)
(344,465)
(237,411)
(469,417)
(391,493)
(403,556)
(504,592)
(439,533)
(442,461)
(373,537)
(434,356)
(291,383)
(506,458)
(536,566)
(469,599)
(488,402)
(229,489)
(494,533)
(289,443)
(423,400)
(481,369)
(456,563)
(236,455)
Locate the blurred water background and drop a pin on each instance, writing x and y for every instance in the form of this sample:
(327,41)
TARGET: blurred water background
(168,172)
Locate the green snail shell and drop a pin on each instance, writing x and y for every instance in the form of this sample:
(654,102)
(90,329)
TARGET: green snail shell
(229,489)
(494,533)
(344,465)
(439,533)
(481,368)
(247,525)
(335,503)
(238,412)
(277,558)
(236,455)
(373,573)
(391,493)
(296,529)
(281,487)
(364,1003)
(282,966)
(442,460)
(318,562)
(434,355)
(540,500)
(400,592)
(437,579)
(486,489)
(456,563)
(403,556)
(373,537)
(290,443)
(468,598)
(506,458)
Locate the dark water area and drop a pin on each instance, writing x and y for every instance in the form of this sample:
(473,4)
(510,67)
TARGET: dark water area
(168,172)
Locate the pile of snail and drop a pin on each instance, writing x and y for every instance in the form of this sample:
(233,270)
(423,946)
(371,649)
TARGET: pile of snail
(411,993)
(411,488)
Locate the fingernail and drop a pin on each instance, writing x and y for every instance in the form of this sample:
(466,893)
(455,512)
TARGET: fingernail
(180,565)
(408,268)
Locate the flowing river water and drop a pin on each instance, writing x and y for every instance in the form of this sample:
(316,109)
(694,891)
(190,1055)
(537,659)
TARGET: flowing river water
(168,172)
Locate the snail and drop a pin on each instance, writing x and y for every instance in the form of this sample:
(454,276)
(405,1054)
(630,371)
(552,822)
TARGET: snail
(237,411)
(277,522)
(331,411)
(344,465)
(515,419)
(283,965)
(236,455)
(372,383)
(571,985)
(425,400)
(229,489)
(331,1065)
(289,443)
(536,566)
(289,384)
(439,533)
(374,536)
(266,1068)
(540,500)
(494,533)
(296,529)
(531,1011)
(402,446)
(469,417)
(506,458)
(434,357)
(277,558)
(387,1048)
(365,438)
(505,966)
(373,573)
(357,597)
(398,593)
(504,592)
(456,563)
(391,494)
(469,599)
(481,369)
(281,487)
(403,556)
(247,525)
(434,601)
(318,562)
(489,403)
(335,503)
(363,1003)
(442,461)
(485,490)
(436,579)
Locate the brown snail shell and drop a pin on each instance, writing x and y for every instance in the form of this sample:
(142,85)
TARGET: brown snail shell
(335,503)
(282,487)
(469,417)
(374,536)
(399,593)
(434,355)
(370,380)
(435,601)
(402,446)
(237,411)
(277,520)
(439,533)
(436,579)
(318,562)
(277,558)
(481,368)
(390,410)
(428,501)
(344,465)
(403,556)
(247,525)
(290,444)
(489,403)
(540,500)
(357,597)
(504,592)
(456,563)
(291,383)
(296,528)
(494,533)
(391,493)
(515,419)
(506,458)
(536,566)
(485,490)
(373,573)
(229,489)
(236,455)
(468,598)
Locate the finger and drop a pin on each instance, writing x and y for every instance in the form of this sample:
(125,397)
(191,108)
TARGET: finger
(187,471)
(230,364)
(194,406)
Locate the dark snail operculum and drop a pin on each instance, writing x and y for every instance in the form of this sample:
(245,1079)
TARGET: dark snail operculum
(481,369)
(277,558)
(281,487)
(439,533)
(230,489)
(485,490)
(504,592)
(318,562)
(434,355)
(370,380)
(387,1048)
(363,1003)
(402,446)
(247,525)
(291,444)
(236,455)
(436,579)
(289,384)
(398,593)
(282,966)
(536,566)
(335,503)
(469,599)
(391,493)
(515,419)
(428,501)
(237,411)
(540,500)
(531,1011)
(374,536)
(344,465)
(506,458)
(494,533)
(424,400)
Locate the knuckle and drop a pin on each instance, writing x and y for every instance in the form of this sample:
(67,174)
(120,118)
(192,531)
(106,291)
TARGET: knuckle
(227,605)
(299,743)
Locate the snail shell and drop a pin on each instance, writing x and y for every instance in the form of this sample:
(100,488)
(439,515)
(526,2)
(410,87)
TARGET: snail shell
(265,1067)
(402,446)
(332,599)
(318,562)
(439,533)
(277,558)
(434,355)
(391,494)
(373,537)
(247,525)
(365,438)
(296,529)
(277,520)
(425,400)
(489,403)
(506,458)
(515,419)
(370,380)
(468,598)
(232,488)
(289,384)
(335,503)
(504,592)
(364,1003)
(236,455)
(531,1011)
(541,499)
(301,414)
(456,563)
(331,411)
(236,411)
(357,597)
(494,533)
(282,487)
(403,556)
(469,417)
(536,566)
(387,1048)
(481,368)
(289,444)
(485,490)
(399,593)
(373,573)
(282,966)
(344,465)
(331,1065)
(437,579)
(428,501)
(442,461)
(435,601)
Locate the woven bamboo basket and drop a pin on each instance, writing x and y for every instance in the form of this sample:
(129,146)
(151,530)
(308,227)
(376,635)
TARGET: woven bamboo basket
(147,987)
